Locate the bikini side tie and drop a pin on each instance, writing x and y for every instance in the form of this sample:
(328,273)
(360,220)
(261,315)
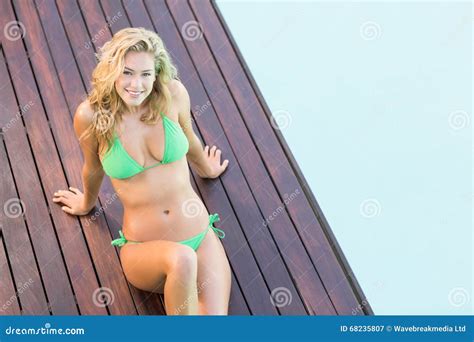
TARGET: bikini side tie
(121,241)
(214,218)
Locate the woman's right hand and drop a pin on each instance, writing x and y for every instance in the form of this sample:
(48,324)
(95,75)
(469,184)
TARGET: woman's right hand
(73,200)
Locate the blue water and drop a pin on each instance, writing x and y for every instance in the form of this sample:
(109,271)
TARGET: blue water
(382,91)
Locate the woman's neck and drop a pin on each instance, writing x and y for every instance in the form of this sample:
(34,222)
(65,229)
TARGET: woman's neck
(136,110)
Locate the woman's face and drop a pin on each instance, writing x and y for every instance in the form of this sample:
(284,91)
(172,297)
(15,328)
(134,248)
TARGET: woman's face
(136,81)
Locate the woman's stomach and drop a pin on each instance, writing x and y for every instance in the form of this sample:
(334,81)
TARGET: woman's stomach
(160,204)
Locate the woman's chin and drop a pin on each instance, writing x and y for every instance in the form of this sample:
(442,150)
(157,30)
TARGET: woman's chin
(133,102)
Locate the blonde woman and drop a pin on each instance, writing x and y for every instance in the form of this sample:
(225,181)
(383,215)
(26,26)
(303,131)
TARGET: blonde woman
(135,126)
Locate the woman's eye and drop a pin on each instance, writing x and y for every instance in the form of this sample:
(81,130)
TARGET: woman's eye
(147,74)
(127,73)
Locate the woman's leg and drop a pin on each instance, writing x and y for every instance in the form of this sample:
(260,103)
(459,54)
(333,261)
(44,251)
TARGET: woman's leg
(214,277)
(164,267)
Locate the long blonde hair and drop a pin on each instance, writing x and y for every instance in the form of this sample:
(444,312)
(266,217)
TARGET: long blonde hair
(108,106)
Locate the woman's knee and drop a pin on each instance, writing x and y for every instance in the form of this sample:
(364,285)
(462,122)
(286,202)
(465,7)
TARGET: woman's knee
(183,264)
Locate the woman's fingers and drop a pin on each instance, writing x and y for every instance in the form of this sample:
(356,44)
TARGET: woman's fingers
(67,210)
(62,193)
(60,197)
(213,150)
(68,199)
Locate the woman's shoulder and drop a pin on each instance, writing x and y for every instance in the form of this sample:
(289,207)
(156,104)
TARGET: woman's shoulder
(179,98)
(179,95)
(84,113)
(83,118)
(177,89)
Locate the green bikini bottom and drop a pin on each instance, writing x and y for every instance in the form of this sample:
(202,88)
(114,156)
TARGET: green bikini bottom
(193,242)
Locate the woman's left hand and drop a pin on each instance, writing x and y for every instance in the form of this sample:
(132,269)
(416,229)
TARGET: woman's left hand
(213,160)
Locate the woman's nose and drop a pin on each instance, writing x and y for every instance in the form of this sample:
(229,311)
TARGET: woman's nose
(135,83)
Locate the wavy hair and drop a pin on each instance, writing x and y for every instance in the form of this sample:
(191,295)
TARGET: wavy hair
(108,106)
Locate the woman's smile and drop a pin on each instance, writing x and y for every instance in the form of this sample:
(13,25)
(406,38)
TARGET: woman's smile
(134,94)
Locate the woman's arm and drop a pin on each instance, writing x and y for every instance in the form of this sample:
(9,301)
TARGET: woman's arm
(75,202)
(92,171)
(206,162)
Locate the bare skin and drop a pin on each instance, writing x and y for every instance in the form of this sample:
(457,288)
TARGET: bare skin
(160,205)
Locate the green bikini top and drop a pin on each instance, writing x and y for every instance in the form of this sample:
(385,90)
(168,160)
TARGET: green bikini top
(117,163)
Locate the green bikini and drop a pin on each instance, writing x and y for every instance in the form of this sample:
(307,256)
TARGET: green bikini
(117,163)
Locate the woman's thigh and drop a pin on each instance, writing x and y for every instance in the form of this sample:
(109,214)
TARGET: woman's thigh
(214,277)
(146,264)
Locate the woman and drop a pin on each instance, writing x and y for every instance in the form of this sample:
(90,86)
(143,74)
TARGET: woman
(135,126)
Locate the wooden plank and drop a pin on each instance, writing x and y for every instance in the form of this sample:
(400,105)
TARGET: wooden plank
(139,17)
(40,227)
(79,39)
(29,98)
(14,232)
(98,28)
(8,296)
(279,231)
(63,59)
(145,303)
(246,212)
(116,15)
(321,249)
(97,234)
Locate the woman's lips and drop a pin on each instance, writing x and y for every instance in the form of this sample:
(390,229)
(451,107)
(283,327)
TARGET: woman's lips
(134,94)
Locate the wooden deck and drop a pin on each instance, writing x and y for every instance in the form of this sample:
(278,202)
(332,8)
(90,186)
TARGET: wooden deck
(279,244)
